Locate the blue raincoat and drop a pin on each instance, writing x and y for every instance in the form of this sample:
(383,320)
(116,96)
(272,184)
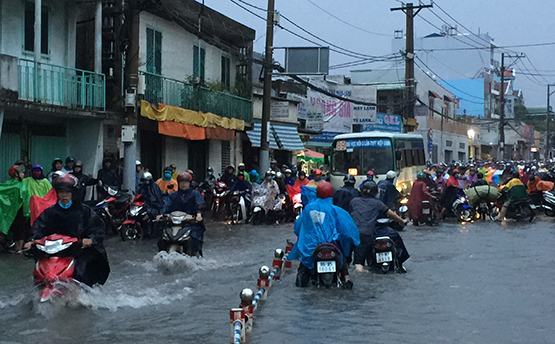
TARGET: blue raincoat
(322,222)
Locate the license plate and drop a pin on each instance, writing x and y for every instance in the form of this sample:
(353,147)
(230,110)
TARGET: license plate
(426,211)
(382,257)
(327,266)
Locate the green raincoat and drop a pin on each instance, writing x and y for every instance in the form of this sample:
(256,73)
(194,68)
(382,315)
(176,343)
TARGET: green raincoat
(33,187)
(10,202)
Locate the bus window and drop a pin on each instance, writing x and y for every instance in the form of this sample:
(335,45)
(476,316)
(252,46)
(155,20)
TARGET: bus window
(375,153)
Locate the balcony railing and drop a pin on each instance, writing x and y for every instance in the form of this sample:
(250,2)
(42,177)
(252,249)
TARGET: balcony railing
(56,85)
(160,89)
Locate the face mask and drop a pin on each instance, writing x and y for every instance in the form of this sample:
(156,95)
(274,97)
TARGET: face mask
(65,205)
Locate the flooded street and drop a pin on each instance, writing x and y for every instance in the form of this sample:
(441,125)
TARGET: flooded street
(478,283)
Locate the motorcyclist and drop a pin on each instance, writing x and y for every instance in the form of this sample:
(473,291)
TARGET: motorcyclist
(342,197)
(366,210)
(388,193)
(274,165)
(450,192)
(254,176)
(315,177)
(70,163)
(515,191)
(418,194)
(241,184)
(167,184)
(480,181)
(241,169)
(370,176)
(280,180)
(188,201)
(271,190)
(107,177)
(289,179)
(210,177)
(57,165)
(83,179)
(139,170)
(72,218)
(322,222)
(229,176)
(152,196)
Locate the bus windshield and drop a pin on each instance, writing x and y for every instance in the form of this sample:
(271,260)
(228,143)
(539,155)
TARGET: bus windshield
(363,154)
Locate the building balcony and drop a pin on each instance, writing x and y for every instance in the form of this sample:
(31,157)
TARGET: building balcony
(60,86)
(160,89)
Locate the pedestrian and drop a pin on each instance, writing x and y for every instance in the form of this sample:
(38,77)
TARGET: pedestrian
(139,170)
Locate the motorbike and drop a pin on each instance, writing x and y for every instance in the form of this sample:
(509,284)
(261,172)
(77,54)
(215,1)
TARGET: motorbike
(403,208)
(486,210)
(520,211)
(258,200)
(219,199)
(463,210)
(206,189)
(177,234)
(326,266)
(55,255)
(133,227)
(548,203)
(297,204)
(278,212)
(384,258)
(238,204)
(112,209)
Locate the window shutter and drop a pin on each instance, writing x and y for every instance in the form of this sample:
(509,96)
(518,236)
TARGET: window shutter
(158,52)
(150,51)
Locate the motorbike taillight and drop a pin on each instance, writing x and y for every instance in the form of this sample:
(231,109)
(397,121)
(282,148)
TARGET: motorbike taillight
(326,254)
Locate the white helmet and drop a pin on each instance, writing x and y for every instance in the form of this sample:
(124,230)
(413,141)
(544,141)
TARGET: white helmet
(138,162)
(147,176)
(390,175)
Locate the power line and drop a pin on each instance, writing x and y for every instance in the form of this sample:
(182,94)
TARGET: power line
(449,24)
(459,23)
(494,46)
(346,22)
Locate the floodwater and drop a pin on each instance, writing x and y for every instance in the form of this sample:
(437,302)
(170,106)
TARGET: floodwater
(476,283)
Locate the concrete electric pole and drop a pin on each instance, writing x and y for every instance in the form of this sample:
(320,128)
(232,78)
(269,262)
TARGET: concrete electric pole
(409,92)
(547,114)
(502,105)
(267,95)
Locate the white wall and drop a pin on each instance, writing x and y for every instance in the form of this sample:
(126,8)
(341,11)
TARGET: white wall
(13,29)
(215,155)
(177,50)
(85,143)
(176,152)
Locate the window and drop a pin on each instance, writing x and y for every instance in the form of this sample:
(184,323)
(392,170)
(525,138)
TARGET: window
(226,72)
(153,51)
(448,143)
(364,154)
(29,44)
(226,154)
(199,55)
(461,145)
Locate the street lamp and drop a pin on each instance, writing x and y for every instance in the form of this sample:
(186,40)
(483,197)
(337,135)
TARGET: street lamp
(471,135)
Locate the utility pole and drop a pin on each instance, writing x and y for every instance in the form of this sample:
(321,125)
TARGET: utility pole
(547,113)
(267,95)
(502,111)
(409,92)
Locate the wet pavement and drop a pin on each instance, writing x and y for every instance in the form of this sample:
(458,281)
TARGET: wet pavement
(475,283)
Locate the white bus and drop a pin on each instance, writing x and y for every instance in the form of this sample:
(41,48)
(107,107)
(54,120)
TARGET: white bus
(357,153)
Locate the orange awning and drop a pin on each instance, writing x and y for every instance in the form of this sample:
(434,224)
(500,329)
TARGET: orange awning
(220,134)
(184,131)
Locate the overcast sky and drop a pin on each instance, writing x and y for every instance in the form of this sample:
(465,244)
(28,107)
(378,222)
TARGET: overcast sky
(509,22)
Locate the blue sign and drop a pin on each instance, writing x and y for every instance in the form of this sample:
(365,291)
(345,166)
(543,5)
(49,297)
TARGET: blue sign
(369,143)
(385,122)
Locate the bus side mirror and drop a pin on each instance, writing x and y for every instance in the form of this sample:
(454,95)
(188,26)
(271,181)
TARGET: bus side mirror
(397,155)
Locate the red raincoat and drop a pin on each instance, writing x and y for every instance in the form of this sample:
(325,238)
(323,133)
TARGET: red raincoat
(418,193)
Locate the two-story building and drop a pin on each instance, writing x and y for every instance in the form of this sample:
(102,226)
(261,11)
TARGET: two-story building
(52,103)
(195,83)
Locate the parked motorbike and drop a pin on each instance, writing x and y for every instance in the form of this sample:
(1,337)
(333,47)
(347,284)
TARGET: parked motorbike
(238,203)
(55,255)
(177,235)
(219,200)
(112,209)
(326,266)
(137,219)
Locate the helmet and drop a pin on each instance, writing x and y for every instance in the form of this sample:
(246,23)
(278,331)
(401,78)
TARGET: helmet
(60,160)
(70,159)
(184,177)
(288,171)
(138,162)
(210,170)
(274,161)
(324,190)
(370,173)
(369,188)
(420,175)
(78,163)
(241,165)
(348,179)
(279,175)
(66,183)
(317,172)
(390,175)
(147,176)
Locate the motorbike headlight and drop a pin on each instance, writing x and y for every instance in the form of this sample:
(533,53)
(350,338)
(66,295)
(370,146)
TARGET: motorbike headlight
(404,201)
(134,210)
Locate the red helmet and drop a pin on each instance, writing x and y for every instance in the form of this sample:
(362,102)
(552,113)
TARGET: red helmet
(324,190)
(184,177)
(317,172)
(67,183)
(370,173)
